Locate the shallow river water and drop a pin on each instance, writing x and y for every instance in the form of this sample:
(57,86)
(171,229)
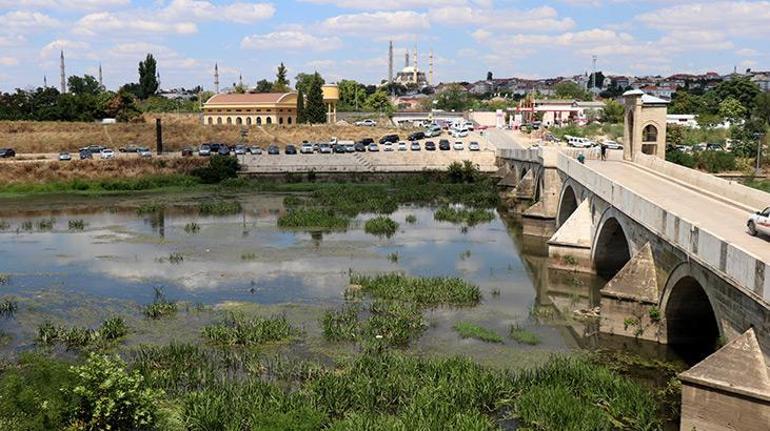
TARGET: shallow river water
(118,261)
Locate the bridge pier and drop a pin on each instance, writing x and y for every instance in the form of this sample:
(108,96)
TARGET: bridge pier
(570,247)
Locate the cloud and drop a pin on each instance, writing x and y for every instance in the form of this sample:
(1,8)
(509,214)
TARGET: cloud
(542,19)
(376,22)
(8,61)
(741,18)
(100,22)
(16,21)
(387,4)
(168,59)
(290,40)
(747,52)
(74,49)
(199,10)
(63,4)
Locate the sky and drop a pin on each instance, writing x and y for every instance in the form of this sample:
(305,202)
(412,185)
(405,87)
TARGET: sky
(348,39)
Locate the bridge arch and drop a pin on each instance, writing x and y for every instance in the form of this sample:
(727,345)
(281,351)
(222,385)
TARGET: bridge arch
(568,203)
(692,326)
(523,172)
(611,245)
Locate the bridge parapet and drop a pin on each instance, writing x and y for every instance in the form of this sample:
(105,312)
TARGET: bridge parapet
(743,268)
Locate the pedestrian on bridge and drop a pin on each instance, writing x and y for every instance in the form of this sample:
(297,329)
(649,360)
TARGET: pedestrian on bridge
(604,151)
(581,158)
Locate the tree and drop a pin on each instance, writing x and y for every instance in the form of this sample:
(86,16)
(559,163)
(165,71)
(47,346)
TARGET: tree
(281,82)
(379,101)
(732,110)
(570,90)
(762,107)
(740,88)
(85,85)
(122,106)
(264,86)
(613,112)
(304,81)
(315,110)
(300,107)
(148,77)
(685,102)
(489,76)
(596,80)
(453,98)
(352,95)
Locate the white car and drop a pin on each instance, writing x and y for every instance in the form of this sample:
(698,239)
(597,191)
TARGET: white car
(144,152)
(64,157)
(366,123)
(306,148)
(469,125)
(459,132)
(576,142)
(458,146)
(612,145)
(433,131)
(402,146)
(107,153)
(474,146)
(759,222)
(388,146)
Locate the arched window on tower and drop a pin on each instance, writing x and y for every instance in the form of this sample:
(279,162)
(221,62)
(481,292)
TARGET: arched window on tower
(269,120)
(650,134)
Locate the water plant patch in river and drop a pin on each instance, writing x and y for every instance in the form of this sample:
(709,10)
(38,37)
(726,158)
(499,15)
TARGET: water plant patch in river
(160,306)
(8,307)
(341,325)
(381,226)
(313,218)
(219,208)
(470,217)
(423,291)
(76,224)
(471,330)
(521,335)
(4,279)
(192,228)
(80,337)
(238,330)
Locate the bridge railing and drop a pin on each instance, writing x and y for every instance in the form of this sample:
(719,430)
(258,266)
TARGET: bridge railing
(734,263)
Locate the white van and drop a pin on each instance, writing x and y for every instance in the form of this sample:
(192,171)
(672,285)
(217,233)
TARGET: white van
(432,131)
(574,141)
(459,132)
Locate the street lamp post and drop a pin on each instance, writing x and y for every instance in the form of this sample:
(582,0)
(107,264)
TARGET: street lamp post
(758,137)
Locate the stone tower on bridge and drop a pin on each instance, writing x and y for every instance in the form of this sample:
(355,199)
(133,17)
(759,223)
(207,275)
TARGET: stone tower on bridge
(645,125)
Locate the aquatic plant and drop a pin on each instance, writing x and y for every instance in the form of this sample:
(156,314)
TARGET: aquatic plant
(393,257)
(76,337)
(150,208)
(46,224)
(8,307)
(77,224)
(521,335)
(248,256)
(237,330)
(495,292)
(393,323)
(381,226)
(4,225)
(470,330)
(175,258)
(313,218)
(47,333)
(423,291)
(293,201)
(113,328)
(411,219)
(160,306)
(192,228)
(219,208)
(470,217)
(26,225)
(341,325)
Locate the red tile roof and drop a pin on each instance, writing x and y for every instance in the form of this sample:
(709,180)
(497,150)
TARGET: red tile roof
(245,99)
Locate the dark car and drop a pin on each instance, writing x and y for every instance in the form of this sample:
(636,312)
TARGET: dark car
(215,148)
(224,150)
(187,152)
(389,138)
(95,148)
(273,149)
(290,149)
(7,152)
(443,145)
(360,148)
(129,149)
(430,146)
(339,148)
(367,141)
(416,136)
(85,154)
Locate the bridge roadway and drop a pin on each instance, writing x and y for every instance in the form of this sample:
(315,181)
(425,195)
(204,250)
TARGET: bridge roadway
(716,216)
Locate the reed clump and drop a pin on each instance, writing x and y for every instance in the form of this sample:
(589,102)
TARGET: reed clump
(423,291)
(469,217)
(381,226)
(220,208)
(160,307)
(523,336)
(76,224)
(313,218)
(471,330)
(237,330)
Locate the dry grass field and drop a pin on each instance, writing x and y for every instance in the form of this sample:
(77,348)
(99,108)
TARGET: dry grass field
(45,172)
(179,131)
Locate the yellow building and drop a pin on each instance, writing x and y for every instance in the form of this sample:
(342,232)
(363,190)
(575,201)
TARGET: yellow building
(262,108)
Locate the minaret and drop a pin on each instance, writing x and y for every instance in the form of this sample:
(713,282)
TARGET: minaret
(240,80)
(216,78)
(390,62)
(45,81)
(63,83)
(101,81)
(406,58)
(157,77)
(415,65)
(430,71)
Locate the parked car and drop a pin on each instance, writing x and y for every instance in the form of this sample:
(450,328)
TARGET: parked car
(474,146)
(367,141)
(366,123)
(443,145)
(95,148)
(340,149)
(144,152)
(204,150)
(373,147)
(129,149)
(349,147)
(469,125)
(432,131)
(64,156)
(224,150)
(306,148)
(416,136)
(273,150)
(430,146)
(290,149)
(459,132)
(187,152)
(7,153)
(577,142)
(215,148)
(240,150)
(325,148)
(759,222)
(389,138)
(107,153)
(612,145)
(388,146)
(415,146)
(458,146)
(402,146)
(255,151)
(360,148)
(85,154)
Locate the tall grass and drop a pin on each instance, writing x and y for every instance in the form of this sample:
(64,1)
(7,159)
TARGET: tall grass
(80,337)
(237,330)
(313,218)
(470,217)
(160,307)
(381,226)
(423,291)
(219,208)
(77,224)
(471,330)
(8,307)
(341,325)
(521,335)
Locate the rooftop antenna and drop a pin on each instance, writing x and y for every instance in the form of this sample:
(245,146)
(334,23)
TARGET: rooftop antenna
(45,81)
(406,58)
(216,78)
(63,75)
(415,65)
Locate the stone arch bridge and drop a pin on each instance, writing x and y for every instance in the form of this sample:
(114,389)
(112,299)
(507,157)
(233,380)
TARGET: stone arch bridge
(679,266)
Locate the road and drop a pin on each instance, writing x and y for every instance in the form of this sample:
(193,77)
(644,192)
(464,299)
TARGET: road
(717,217)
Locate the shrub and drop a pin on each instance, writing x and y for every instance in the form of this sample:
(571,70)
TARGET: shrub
(77,224)
(219,169)
(220,208)
(309,218)
(381,226)
(715,161)
(110,398)
(423,291)
(160,306)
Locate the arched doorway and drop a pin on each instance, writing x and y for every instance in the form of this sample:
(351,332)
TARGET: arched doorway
(211,121)
(269,120)
(611,249)
(630,133)
(691,325)
(219,120)
(239,121)
(229,120)
(259,121)
(567,205)
(248,121)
